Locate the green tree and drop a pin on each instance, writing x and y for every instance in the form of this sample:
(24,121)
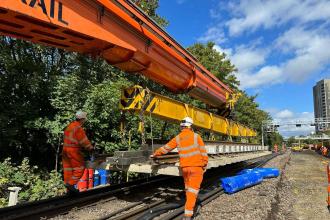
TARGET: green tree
(247,112)
(35,183)
(42,87)
(95,86)
(274,138)
(216,62)
(291,140)
(28,73)
(150,7)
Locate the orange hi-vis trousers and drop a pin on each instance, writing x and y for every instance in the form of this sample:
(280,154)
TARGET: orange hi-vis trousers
(193,177)
(73,165)
(328,172)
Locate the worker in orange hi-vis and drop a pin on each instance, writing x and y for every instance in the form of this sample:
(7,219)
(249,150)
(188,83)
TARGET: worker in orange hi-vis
(75,140)
(275,148)
(193,161)
(328,172)
(325,151)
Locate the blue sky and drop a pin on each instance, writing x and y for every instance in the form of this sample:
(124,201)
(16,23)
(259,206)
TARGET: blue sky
(281,48)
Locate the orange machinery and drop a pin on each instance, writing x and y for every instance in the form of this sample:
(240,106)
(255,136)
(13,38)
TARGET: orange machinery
(119,32)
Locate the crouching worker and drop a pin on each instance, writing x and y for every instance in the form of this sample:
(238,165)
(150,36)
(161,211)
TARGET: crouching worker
(193,161)
(75,141)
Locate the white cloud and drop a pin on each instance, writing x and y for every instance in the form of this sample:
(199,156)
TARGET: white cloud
(287,120)
(214,34)
(227,51)
(248,58)
(302,39)
(309,52)
(250,15)
(267,75)
(284,114)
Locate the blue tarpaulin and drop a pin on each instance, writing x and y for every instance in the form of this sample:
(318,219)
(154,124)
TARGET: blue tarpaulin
(247,178)
(265,172)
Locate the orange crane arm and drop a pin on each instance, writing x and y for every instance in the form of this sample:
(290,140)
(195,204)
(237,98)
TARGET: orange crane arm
(119,32)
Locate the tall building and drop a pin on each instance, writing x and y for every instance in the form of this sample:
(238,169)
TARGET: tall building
(321,94)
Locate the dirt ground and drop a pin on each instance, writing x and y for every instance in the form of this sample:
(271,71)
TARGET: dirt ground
(298,193)
(307,178)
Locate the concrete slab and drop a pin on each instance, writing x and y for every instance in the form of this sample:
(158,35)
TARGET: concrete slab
(214,161)
(125,158)
(222,148)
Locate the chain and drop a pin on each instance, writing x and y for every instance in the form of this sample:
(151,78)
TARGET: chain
(152,137)
(142,118)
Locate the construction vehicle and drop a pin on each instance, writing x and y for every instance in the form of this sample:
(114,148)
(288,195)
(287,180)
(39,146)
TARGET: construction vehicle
(297,147)
(119,32)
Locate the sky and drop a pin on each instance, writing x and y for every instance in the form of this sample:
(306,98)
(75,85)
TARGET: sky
(281,48)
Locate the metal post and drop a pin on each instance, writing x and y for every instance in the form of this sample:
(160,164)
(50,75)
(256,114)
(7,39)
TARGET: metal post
(262,134)
(13,196)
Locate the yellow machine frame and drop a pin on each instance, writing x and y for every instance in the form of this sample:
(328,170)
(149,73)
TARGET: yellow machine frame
(138,99)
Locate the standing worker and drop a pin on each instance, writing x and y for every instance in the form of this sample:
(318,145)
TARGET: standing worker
(75,140)
(193,161)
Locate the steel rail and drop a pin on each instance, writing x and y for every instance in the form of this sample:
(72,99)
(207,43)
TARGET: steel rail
(208,197)
(161,206)
(203,199)
(158,141)
(112,214)
(62,204)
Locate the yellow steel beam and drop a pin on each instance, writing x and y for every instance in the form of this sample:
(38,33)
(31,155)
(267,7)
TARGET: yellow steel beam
(138,99)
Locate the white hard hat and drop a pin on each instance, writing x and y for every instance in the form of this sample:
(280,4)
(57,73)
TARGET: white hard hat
(81,115)
(186,122)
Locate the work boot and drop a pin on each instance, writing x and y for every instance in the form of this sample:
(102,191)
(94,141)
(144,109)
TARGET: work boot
(187,218)
(71,190)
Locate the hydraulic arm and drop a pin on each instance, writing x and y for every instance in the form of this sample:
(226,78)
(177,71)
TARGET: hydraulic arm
(119,32)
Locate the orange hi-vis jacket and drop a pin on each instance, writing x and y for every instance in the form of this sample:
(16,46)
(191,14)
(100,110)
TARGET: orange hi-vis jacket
(190,147)
(75,137)
(73,160)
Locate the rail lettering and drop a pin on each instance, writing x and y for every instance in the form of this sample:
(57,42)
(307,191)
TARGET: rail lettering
(51,10)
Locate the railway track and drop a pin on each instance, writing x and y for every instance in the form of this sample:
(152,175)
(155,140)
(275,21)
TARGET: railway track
(156,206)
(174,157)
(147,208)
(205,196)
(63,204)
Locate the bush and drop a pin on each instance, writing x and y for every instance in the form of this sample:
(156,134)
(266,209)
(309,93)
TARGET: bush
(35,184)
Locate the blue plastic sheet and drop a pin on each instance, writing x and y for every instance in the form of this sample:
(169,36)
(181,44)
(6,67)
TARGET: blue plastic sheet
(247,178)
(103,176)
(96,178)
(265,172)
(236,183)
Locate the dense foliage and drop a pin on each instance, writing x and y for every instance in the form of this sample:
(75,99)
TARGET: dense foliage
(42,87)
(35,185)
(150,7)
(215,62)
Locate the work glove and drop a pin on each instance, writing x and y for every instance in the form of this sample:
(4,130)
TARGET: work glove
(90,148)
